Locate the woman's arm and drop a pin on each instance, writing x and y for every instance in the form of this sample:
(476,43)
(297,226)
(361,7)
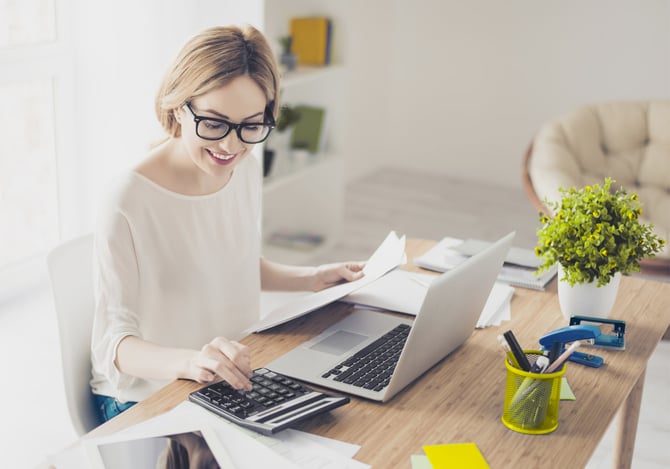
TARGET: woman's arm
(275,276)
(223,358)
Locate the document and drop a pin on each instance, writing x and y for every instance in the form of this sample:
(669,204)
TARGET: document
(239,447)
(519,269)
(157,449)
(403,292)
(247,449)
(389,255)
(398,291)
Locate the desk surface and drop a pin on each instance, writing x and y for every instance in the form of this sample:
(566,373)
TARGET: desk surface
(461,398)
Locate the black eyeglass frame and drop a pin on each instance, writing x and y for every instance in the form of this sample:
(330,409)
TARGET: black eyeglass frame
(268,121)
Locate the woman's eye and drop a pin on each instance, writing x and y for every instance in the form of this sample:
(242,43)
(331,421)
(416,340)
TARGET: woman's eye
(214,125)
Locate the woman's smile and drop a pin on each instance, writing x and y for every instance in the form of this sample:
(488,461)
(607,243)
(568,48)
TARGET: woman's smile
(221,158)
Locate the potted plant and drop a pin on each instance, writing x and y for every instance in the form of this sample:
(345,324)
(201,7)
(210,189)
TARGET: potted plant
(287,57)
(278,143)
(288,116)
(595,236)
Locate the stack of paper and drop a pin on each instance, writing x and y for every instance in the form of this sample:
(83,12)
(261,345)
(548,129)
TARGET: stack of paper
(232,446)
(403,292)
(519,269)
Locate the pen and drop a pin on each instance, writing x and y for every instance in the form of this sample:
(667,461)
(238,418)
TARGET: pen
(564,356)
(521,358)
(554,351)
(505,346)
(540,364)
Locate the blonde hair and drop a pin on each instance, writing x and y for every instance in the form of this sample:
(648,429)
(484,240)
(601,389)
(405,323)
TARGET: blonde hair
(211,59)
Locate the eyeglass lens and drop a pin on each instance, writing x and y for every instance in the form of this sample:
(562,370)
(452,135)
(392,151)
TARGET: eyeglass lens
(248,133)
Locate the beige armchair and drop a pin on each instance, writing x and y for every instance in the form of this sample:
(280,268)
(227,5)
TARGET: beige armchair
(628,141)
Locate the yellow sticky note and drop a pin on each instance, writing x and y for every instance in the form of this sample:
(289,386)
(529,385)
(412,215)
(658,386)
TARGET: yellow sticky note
(456,456)
(420,461)
(566,391)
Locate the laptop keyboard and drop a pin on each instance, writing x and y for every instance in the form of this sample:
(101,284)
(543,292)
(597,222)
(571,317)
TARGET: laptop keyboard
(276,402)
(372,366)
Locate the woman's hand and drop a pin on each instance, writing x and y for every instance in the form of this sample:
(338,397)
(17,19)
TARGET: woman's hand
(223,358)
(328,275)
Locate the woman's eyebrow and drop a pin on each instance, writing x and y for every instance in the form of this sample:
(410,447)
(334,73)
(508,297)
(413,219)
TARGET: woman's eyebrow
(225,117)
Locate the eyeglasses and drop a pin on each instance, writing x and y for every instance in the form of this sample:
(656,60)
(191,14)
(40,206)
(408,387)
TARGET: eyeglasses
(210,128)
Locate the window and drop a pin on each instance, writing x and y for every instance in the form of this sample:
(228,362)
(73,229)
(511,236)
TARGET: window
(28,196)
(32,61)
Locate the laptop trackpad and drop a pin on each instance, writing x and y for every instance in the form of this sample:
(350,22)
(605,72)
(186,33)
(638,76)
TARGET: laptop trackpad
(339,342)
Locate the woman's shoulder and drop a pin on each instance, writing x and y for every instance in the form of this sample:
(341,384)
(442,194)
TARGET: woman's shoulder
(121,189)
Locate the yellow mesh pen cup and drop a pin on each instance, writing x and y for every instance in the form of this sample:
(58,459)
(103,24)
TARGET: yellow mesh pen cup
(531,399)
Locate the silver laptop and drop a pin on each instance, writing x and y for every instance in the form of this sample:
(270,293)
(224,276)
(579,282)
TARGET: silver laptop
(447,317)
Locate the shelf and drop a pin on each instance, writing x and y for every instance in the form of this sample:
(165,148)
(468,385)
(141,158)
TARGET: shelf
(286,170)
(307,200)
(303,74)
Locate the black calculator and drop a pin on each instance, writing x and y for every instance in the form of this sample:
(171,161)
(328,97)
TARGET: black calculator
(276,402)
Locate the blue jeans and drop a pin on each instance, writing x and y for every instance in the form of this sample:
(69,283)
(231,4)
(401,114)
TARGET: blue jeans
(108,407)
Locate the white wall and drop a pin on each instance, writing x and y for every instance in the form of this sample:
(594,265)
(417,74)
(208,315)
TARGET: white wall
(439,85)
(469,83)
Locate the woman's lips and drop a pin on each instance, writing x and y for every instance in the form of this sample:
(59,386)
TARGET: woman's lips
(221,158)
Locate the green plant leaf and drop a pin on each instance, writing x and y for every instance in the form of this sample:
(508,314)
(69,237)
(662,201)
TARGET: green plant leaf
(595,232)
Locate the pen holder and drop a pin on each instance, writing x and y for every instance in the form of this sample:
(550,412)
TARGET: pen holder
(531,399)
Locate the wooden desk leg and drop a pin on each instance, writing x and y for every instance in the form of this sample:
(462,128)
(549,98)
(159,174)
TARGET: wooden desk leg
(629,415)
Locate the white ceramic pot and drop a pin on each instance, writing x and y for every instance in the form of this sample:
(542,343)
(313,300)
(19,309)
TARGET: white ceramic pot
(586,299)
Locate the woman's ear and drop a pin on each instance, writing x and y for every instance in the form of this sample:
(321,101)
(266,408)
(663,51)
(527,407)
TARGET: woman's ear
(177,115)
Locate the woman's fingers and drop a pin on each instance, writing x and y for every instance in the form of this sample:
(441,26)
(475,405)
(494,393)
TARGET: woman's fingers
(229,360)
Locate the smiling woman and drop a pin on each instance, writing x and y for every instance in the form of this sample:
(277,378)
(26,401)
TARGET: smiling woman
(76,85)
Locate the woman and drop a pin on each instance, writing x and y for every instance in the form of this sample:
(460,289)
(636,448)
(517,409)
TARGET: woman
(178,264)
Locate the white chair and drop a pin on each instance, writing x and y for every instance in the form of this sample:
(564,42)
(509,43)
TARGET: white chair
(71,273)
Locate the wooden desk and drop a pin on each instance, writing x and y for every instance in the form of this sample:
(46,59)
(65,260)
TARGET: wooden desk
(461,398)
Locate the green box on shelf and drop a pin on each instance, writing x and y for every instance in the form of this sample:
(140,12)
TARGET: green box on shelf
(309,128)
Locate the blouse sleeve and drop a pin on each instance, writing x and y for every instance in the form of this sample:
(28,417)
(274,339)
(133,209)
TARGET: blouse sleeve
(116,295)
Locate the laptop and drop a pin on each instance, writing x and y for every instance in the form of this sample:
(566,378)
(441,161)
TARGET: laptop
(348,357)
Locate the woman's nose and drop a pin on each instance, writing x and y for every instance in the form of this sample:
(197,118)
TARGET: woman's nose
(231,143)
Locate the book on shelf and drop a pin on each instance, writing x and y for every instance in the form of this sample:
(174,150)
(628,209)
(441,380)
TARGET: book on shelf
(308,130)
(519,269)
(311,40)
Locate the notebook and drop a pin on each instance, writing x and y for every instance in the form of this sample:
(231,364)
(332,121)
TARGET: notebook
(447,317)
(519,269)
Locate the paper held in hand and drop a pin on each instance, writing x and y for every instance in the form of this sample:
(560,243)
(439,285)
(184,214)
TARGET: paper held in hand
(389,255)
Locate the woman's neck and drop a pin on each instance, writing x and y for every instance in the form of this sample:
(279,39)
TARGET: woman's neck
(169,166)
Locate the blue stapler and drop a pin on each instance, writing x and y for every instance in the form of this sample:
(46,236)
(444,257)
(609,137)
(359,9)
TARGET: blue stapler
(615,340)
(572,333)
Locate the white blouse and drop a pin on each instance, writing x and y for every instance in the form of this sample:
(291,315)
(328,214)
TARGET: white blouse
(174,270)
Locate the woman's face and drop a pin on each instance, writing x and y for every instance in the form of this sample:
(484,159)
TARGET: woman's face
(241,101)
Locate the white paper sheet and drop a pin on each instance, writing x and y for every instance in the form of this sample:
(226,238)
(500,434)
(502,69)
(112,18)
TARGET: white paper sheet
(289,449)
(389,255)
(403,292)
(398,291)
(248,449)
(445,255)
